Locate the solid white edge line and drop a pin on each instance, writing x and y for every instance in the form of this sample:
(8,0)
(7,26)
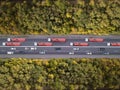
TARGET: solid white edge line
(69,46)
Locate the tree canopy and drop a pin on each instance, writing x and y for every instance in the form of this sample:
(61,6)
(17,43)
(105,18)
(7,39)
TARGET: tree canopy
(60,74)
(60,17)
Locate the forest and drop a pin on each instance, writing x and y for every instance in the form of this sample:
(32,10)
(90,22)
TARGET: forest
(60,74)
(99,17)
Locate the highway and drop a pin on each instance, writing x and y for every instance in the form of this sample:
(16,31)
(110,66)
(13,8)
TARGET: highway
(61,46)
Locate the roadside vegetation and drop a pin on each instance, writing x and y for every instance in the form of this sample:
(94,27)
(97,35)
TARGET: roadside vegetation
(98,17)
(60,74)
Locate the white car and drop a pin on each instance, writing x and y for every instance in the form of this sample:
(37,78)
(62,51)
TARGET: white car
(76,49)
(49,39)
(33,48)
(41,52)
(71,53)
(106,53)
(10,52)
(89,53)
(13,48)
(26,48)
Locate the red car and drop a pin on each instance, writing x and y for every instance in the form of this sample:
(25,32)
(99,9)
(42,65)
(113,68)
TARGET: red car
(44,44)
(16,39)
(57,39)
(13,44)
(80,44)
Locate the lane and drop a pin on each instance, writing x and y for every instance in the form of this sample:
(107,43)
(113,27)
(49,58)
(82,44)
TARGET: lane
(58,56)
(30,41)
(60,50)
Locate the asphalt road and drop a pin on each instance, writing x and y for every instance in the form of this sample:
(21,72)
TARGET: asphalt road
(60,49)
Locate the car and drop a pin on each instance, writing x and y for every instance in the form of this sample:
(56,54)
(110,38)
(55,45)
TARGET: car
(58,48)
(16,39)
(89,53)
(13,48)
(57,39)
(106,53)
(102,49)
(44,44)
(71,53)
(33,48)
(27,48)
(42,52)
(11,43)
(75,49)
(10,52)
(94,39)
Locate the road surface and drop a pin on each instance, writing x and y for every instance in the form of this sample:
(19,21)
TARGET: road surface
(28,48)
